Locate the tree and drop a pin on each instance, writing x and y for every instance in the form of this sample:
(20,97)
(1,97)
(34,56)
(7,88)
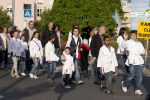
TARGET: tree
(4,18)
(86,13)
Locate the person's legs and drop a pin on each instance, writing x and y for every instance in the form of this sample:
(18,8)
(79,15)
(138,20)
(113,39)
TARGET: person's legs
(23,66)
(129,78)
(138,77)
(77,73)
(15,65)
(2,59)
(35,65)
(53,69)
(67,79)
(96,73)
(49,69)
(109,77)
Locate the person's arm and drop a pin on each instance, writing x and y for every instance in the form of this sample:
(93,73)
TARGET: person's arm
(47,52)
(93,47)
(142,50)
(31,49)
(120,42)
(10,46)
(68,42)
(100,60)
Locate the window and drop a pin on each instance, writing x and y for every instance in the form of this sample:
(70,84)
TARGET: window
(124,3)
(27,6)
(39,12)
(9,8)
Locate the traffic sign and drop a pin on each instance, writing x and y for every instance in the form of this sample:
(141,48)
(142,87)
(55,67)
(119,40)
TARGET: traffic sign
(140,14)
(27,12)
(143,30)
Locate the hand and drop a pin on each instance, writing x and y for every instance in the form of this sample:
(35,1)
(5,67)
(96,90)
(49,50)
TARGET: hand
(33,58)
(94,58)
(146,48)
(49,61)
(81,49)
(9,55)
(100,69)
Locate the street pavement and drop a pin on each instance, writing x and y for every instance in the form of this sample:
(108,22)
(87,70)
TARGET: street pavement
(25,88)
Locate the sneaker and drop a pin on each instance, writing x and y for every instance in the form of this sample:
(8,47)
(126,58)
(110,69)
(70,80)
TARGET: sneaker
(17,76)
(23,74)
(35,77)
(31,75)
(67,87)
(80,82)
(12,75)
(108,92)
(124,89)
(138,92)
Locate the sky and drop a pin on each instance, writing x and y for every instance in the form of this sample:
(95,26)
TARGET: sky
(139,6)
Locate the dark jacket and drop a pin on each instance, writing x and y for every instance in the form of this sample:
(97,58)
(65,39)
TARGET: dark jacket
(26,34)
(45,36)
(96,44)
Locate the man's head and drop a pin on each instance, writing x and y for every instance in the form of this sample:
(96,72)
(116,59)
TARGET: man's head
(102,29)
(31,24)
(133,35)
(50,26)
(107,40)
(5,29)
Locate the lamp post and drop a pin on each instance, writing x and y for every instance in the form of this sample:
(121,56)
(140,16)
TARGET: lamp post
(13,12)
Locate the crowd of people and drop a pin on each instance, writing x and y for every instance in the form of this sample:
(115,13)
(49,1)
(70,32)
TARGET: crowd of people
(29,49)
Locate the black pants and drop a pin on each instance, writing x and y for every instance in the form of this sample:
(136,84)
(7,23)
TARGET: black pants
(66,79)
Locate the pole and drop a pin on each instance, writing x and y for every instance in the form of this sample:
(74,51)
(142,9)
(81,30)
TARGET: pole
(13,12)
(147,43)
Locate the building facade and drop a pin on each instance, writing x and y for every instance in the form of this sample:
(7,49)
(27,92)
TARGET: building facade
(25,10)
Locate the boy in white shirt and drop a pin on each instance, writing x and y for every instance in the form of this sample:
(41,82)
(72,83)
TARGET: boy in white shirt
(51,58)
(107,62)
(68,67)
(135,62)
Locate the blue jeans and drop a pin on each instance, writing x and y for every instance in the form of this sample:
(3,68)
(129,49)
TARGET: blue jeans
(51,70)
(77,69)
(36,62)
(22,66)
(96,71)
(135,72)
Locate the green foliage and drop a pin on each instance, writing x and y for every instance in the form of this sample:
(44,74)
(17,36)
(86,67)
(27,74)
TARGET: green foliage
(4,18)
(86,13)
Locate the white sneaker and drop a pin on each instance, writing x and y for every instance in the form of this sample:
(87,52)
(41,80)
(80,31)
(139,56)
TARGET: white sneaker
(138,92)
(67,87)
(124,89)
(23,74)
(35,77)
(31,75)
(80,82)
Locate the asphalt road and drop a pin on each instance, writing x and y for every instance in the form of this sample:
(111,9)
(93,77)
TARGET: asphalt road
(25,88)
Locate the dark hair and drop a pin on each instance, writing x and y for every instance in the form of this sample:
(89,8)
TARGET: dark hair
(75,25)
(30,22)
(34,35)
(133,32)
(55,26)
(68,48)
(106,37)
(121,31)
(51,37)
(74,29)
(22,36)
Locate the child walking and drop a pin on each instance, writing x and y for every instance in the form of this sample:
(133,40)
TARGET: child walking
(24,48)
(36,53)
(14,51)
(51,58)
(68,67)
(107,62)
